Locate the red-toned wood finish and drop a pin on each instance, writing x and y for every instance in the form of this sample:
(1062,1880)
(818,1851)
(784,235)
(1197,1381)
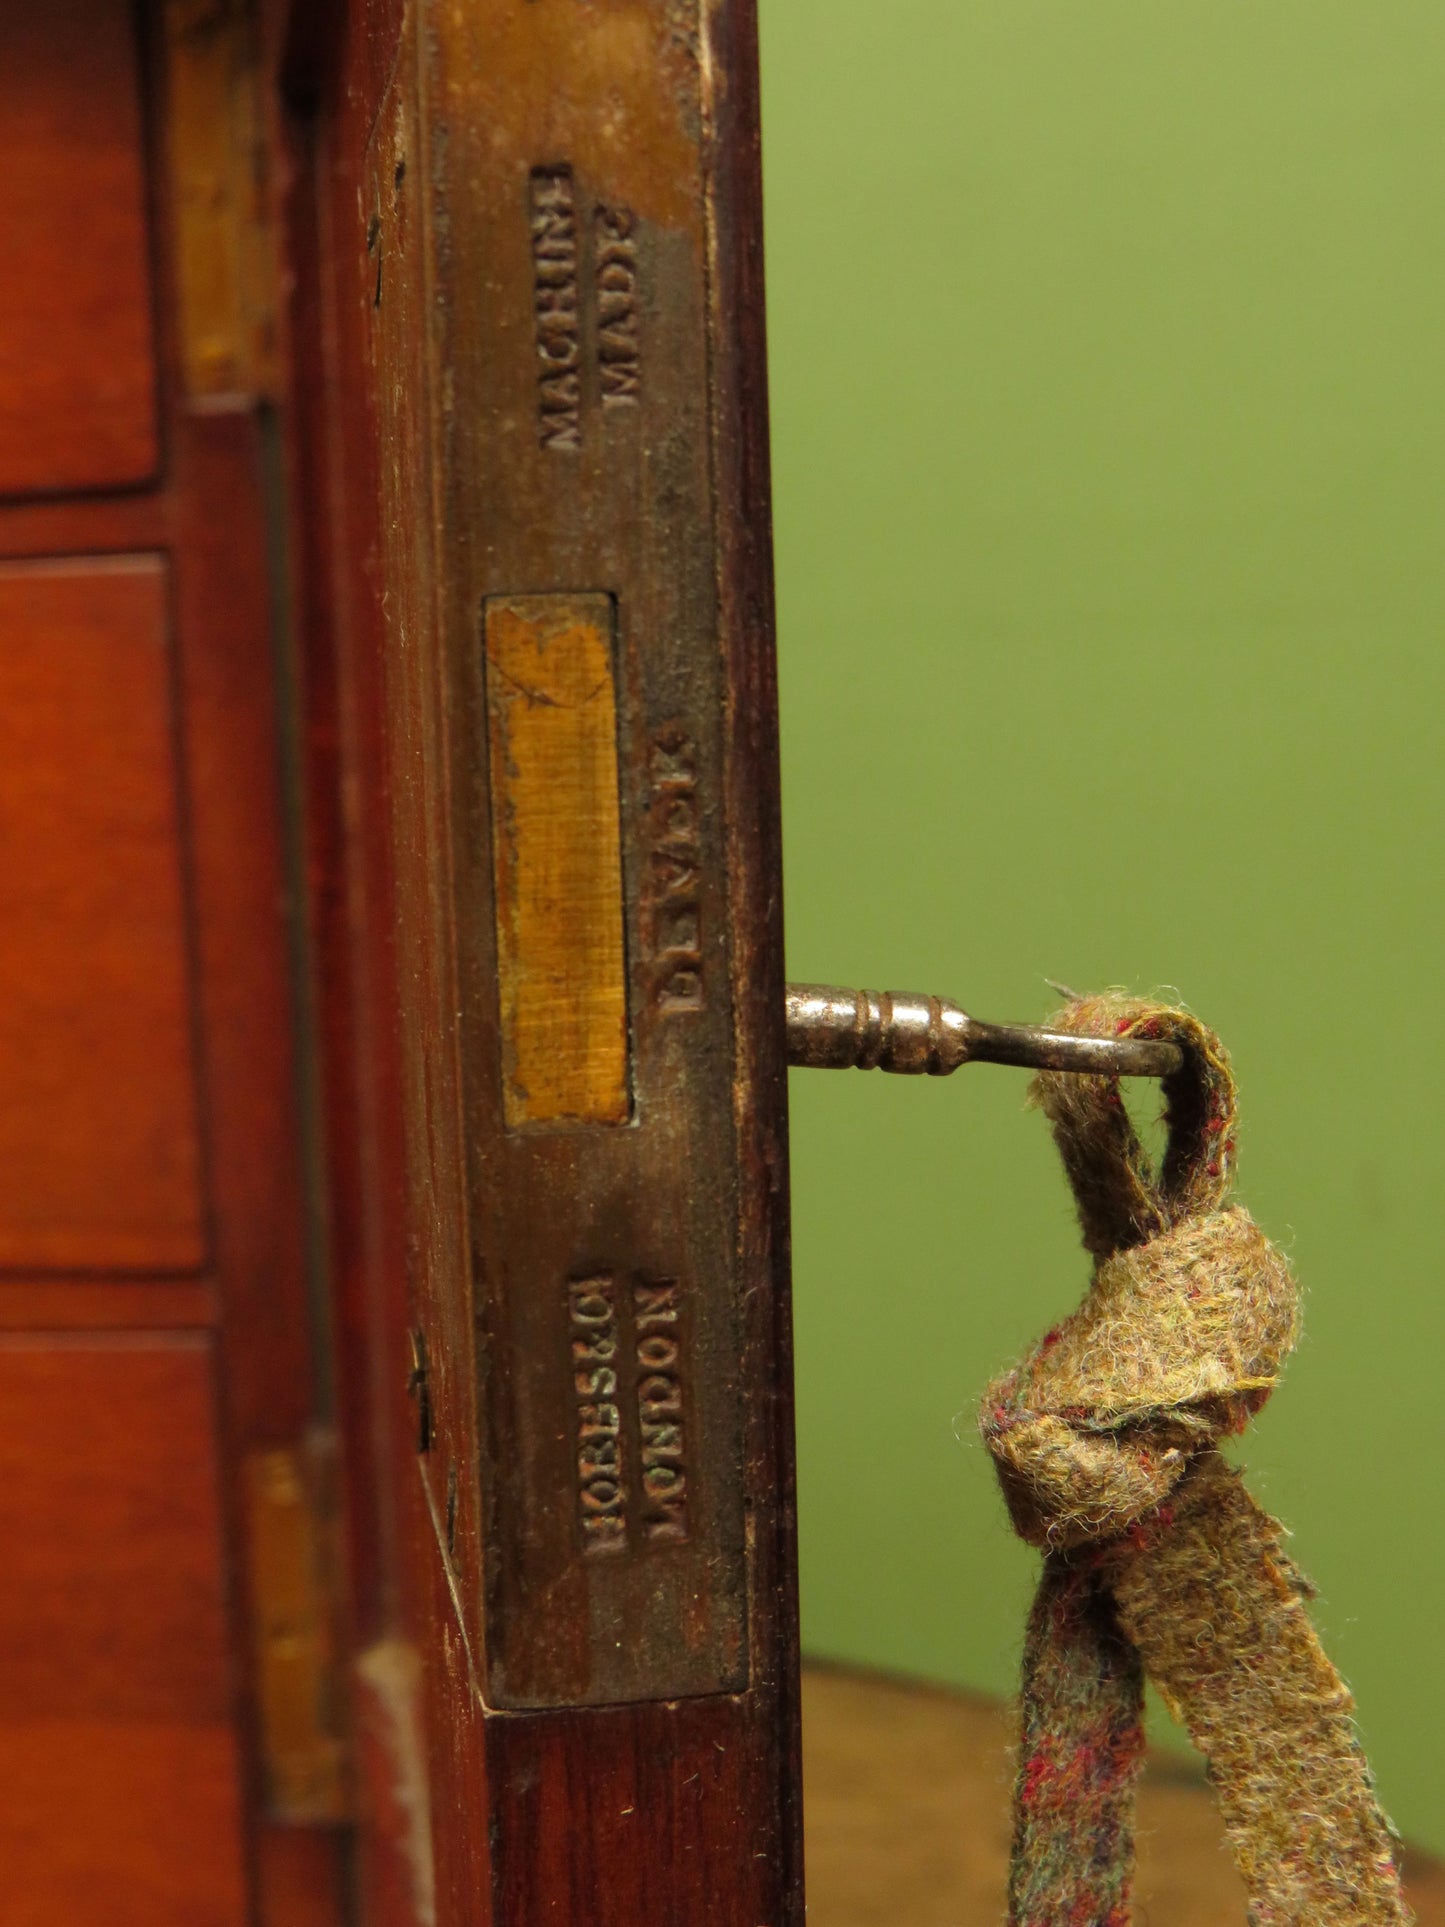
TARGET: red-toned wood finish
(100,1148)
(155,1257)
(122,1615)
(682,1810)
(117,1735)
(333,62)
(77,357)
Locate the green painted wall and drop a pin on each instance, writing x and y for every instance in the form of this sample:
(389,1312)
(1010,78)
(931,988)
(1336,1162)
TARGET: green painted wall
(1108,348)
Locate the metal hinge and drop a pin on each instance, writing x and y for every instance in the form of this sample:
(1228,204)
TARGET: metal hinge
(224,238)
(298,1683)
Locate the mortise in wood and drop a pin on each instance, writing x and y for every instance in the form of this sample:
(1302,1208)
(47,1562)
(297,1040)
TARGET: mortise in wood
(557,859)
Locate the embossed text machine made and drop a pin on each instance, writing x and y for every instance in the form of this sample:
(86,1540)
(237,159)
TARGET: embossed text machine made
(621,1456)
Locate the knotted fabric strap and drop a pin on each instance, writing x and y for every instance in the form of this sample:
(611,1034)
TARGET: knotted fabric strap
(1155,1557)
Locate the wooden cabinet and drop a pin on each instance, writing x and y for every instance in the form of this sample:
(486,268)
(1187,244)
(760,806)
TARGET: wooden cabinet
(156,1323)
(390,974)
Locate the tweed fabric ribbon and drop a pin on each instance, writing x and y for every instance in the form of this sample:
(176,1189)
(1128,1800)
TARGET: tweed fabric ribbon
(1155,1557)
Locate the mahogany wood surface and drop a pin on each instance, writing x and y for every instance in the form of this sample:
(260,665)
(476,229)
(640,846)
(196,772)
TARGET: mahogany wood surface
(106,1304)
(334,60)
(241,936)
(599,1815)
(113,1826)
(122,1614)
(70,525)
(117,1739)
(297,1877)
(100,1149)
(156,1262)
(77,359)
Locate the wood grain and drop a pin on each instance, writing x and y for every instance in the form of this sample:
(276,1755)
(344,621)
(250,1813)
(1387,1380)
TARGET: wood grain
(77,525)
(106,1304)
(121,1826)
(100,1159)
(578,155)
(625,1816)
(112,1606)
(151,1173)
(116,1736)
(241,906)
(301,1871)
(240,917)
(77,366)
(907,1792)
(435,498)
(335,92)
(557,859)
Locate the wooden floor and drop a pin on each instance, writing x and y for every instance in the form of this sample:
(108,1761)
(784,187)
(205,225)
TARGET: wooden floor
(906,1796)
